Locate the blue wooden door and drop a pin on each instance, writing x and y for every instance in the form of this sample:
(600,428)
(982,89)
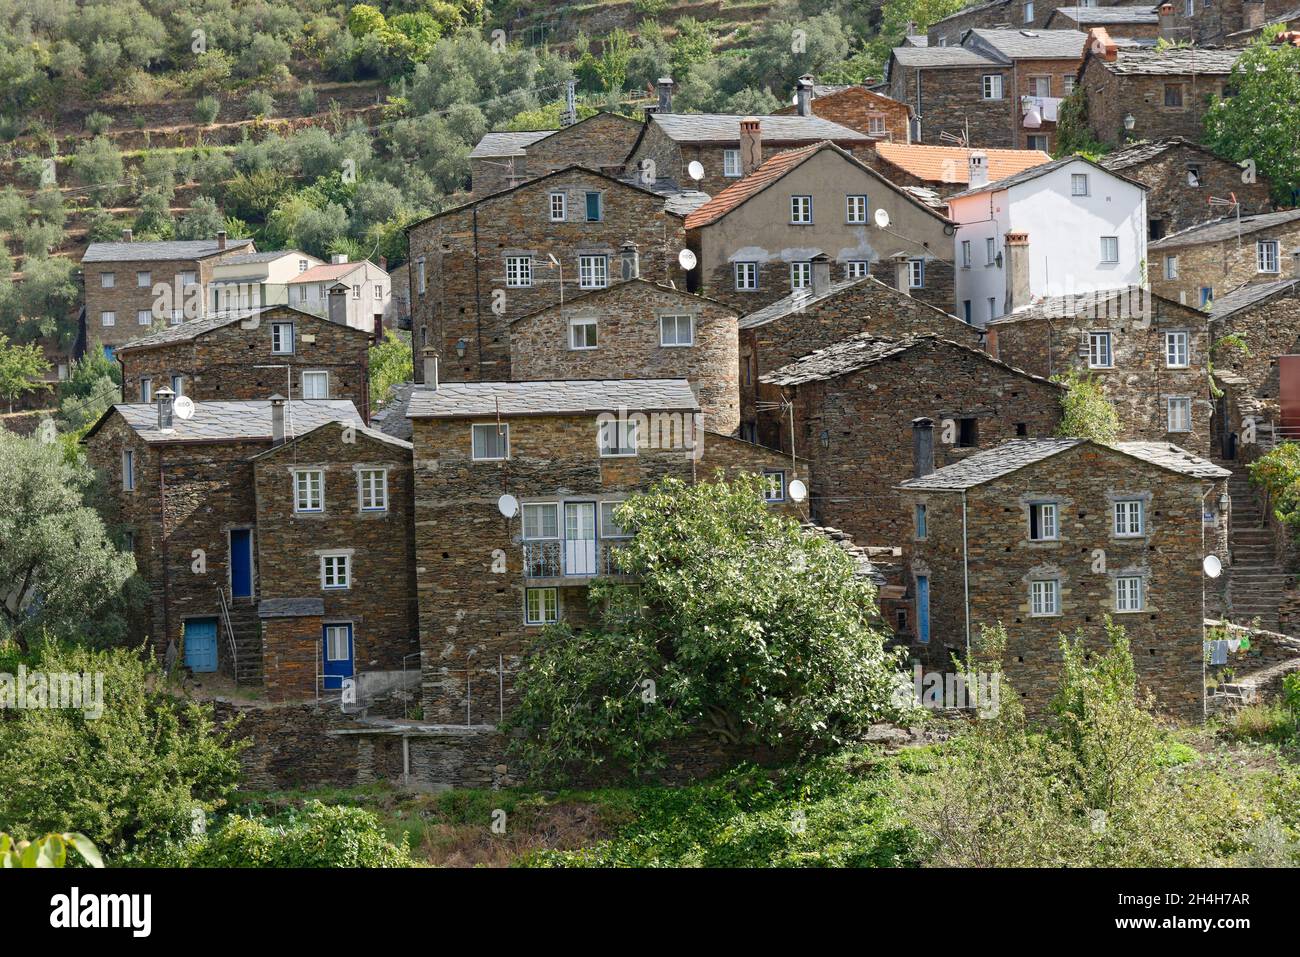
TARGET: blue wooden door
(337,654)
(241,562)
(201,644)
(922,608)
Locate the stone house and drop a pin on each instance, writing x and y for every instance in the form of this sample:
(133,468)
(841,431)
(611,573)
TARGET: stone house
(367,300)
(755,241)
(1277,15)
(797,325)
(182,489)
(1181,177)
(1137,22)
(336,561)
(248,357)
(251,280)
(884,120)
(1150,355)
(1149,94)
(1265,316)
(475,268)
(1194,264)
(946,169)
(1053,536)
(129,286)
(493,571)
(994,15)
(851,406)
(637,330)
(502,159)
(1225,22)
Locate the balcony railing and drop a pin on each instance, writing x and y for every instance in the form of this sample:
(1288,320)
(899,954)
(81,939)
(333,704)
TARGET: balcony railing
(584,558)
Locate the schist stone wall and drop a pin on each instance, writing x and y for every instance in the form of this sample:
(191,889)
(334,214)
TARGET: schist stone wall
(948,100)
(220,365)
(467,302)
(1221,266)
(1269,329)
(1111,97)
(1166,637)
(598,142)
(857,107)
(131,297)
(630,343)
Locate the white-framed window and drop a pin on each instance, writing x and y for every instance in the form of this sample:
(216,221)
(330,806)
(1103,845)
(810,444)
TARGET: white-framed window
(315,385)
(490,443)
(143,280)
(1128,593)
(1044,597)
(1040,85)
(916,273)
(1176,350)
(379,290)
(965,254)
(1042,522)
(559,207)
(107,280)
(1129,518)
(282,338)
(593,272)
(582,332)
(731,163)
(856,269)
(419,276)
(1110,249)
(1100,354)
(1267,255)
(991,85)
(146,390)
(801,210)
(178,385)
(609,526)
(876,126)
(1027,10)
(372,490)
(337,645)
(1067,81)
(1180,414)
(773,485)
(1171,267)
(541,606)
(855,210)
(108,318)
(1039,141)
(143,317)
(541,520)
(188,277)
(336,570)
(1078,184)
(308,490)
(617,438)
(746,275)
(990,251)
(356,291)
(800,275)
(128,470)
(177,317)
(920,517)
(519,271)
(677,330)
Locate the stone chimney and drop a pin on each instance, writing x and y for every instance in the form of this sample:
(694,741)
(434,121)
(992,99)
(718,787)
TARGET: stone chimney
(630,257)
(164,398)
(1167,22)
(902,274)
(751,145)
(803,94)
(126,235)
(1100,43)
(221,239)
(922,447)
(277,419)
(338,259)
(1016,263)
(665,94)
(1253,14)
(821,274)
(430,358)
(978,168)
(337,309)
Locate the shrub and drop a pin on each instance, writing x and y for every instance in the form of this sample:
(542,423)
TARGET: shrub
(259,104)
(307,100)
(206,109)
(321,836)
(1086,411)
(98,123)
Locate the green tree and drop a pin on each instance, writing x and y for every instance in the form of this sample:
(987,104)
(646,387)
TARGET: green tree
(612,65)
(22,370)
(48,851)
(206,109)
(390,364)
(1086,411)
(98,165)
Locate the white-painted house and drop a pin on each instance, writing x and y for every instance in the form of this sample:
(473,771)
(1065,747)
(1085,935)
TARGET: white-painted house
(368,296)
(1078,228)
(251,280)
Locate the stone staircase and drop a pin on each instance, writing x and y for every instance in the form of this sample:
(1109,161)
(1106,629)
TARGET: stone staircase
(1256,576)
(247,628)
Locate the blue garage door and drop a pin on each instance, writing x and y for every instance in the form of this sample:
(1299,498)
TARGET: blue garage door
(201,644)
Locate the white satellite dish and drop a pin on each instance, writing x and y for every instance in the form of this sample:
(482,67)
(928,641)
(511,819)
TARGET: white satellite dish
(687,259)
(1213,567)
(695,169)
(882,219)
(183,407)
(508,505)
(798,491)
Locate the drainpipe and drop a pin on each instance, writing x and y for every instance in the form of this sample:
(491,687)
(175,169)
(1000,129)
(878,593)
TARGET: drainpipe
(162,546)
(478,300)
(965,574)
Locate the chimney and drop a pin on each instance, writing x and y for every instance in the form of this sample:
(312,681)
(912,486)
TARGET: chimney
(665,94)
(922,447)
(1016,261)
(164,398)
(338,259)
(631,259)
(337,296)
(1253,14)
(126,235)
(821,274)
(430,357)
(1295,262)
(1099,42)
(277,419)
(978,168)
(803,94)
(1166,22)
(221,239)
(902,274)
(751,145)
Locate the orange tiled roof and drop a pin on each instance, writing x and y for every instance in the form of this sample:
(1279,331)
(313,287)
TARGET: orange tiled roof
(326,272)
(735,194)
(951,164)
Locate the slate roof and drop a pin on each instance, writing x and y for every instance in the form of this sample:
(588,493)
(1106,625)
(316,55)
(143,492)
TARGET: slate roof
(256,257)
(193,328)
(1226,228)
(1012,456)
(233,421)
(506,143)
(863,566)
(1142,152)
(172,249)
(376,434)
(1105,16)
(725,128)
(391,419)
(801,300)
(290,607)
(1036,171)
(551,397)
(916,40)
(1174,61)
(1031,44)
(933,163)
(1101,302)
(932,58)
(1243,297)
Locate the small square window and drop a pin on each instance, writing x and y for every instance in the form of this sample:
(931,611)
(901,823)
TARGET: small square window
(677,330)
(1174,95)
(1044,598)
(1079,184)
(1110,249)
(801,211)
(1193,176)
(144,280)
(143,317)
(188,278)
(1100,355)
(336,571)
(107,280)
(800,275)
(582,333)
(1180,414)
(490,443)
(1128,593)
(541,606)
(855,210)
(746,276)
(593,271)
(617,438)
(773,485)
(968,433)
(372,489)
(992,86)
(1129,518)
(541,520)
(315,385)
(309,490)
(519,271)
(108,318)
(856,269)
(1042,522)
(876,126)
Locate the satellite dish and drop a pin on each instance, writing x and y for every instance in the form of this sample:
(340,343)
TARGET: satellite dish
(183,407)
(1213,567)
(508,505)
(798,491)
(687,259)
(882,219)
(695,169)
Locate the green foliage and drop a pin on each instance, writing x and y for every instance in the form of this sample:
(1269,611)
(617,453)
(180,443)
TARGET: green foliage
(43,305)
(390,364)
(1278,473)
(98,165)
(307,100)
(22,370)
(320,836)
(206,109)
(1086,411)
(750,629)
(97,123)
(48,851)
(1073,130)
(94,383)
(259,104)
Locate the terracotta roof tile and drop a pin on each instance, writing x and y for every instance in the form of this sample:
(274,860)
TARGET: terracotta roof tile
(735,194)
(951,164)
